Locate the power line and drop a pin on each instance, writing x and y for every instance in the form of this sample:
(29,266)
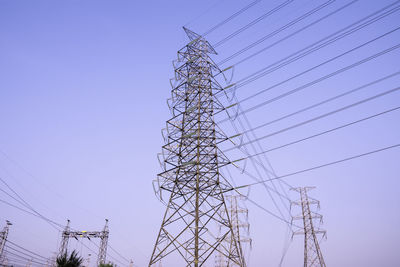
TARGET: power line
(328,131)
(108,254)
(231,17)
(259,163)
(263,208)
(304,52)
(26,254)
(326,101)
(340,34)
(118,253)
(10,242)
(322,166)
(50,190)
(16,261)
(381,53)
(204,12)
(319,117)
(28,259)
(286,26)
(266,210)
(265,15)
(26,211)
(321,64)
(27,205)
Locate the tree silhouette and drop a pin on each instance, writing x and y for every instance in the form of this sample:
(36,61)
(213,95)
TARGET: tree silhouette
(74,260)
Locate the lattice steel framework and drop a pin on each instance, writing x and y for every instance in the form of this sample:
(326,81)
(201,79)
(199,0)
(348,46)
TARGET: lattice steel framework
(312,251)
(3,240)
(196,208)
(103,235)
(241,227)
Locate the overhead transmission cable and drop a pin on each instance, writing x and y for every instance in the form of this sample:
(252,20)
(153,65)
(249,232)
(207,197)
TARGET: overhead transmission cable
(320,117)
(25,254)
(316,66)
(262,17)
(27,250)
(297,89)
(108,254)
(325,101)
(19,208)
(266,210)
(50,190)
(292,57)
(263,208)
(255,162)
(27,205)
(23,257)
(286,26)
(231,17)
(258,162)
(204,12)
(328,131)
(116,252)
(331,38)
(322,166)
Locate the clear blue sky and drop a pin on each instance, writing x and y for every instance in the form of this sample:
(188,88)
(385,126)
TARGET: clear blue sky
(83,93)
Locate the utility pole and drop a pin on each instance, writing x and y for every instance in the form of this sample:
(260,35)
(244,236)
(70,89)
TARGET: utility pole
(102,235)
(3,239)
(312,251)
(191,163)
(241,227)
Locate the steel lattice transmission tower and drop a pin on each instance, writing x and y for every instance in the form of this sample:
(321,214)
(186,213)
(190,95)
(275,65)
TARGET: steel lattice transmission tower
(3,240)
(103,235)
(241,227)
(196,208)
(311,220)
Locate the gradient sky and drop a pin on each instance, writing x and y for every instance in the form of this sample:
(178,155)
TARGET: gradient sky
(83,93)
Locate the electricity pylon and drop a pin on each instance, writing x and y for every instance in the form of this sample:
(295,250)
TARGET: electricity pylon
(103,235)
(241,227)
(312,251)
(191,165)
(3,239)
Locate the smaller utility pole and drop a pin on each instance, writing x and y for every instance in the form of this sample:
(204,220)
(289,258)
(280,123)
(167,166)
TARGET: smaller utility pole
(3,239)
(312,252)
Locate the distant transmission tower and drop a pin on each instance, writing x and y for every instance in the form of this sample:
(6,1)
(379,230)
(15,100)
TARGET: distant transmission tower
(191,164)
(241,228)
(3,240)
(312,251)
(103,235)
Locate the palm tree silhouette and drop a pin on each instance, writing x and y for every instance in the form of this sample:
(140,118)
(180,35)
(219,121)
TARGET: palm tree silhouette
(74,260)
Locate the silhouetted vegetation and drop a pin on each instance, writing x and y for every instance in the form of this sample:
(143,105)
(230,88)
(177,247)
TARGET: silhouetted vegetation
(73,260)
